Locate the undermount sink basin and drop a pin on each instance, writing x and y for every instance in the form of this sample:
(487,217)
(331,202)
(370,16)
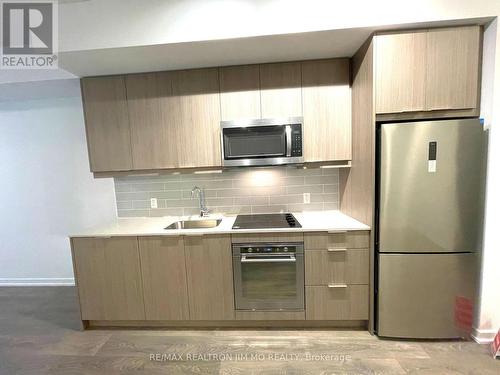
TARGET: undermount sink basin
(195,224)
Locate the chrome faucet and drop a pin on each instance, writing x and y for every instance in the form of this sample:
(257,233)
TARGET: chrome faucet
(204,211)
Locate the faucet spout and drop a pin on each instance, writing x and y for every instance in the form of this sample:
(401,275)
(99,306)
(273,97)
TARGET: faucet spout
(204,211)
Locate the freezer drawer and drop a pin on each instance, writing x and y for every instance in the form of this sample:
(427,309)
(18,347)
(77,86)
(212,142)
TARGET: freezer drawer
(416,293)
(430,186)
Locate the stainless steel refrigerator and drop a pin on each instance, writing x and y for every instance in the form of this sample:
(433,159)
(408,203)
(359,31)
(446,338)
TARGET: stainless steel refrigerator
(430,199)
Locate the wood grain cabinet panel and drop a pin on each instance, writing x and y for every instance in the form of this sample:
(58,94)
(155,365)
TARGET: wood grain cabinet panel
(164,278)
(323,267)
(196,116)
(342,240)
(453,61)
(107,123)
(240,92)
(280,86)
(348,303)
(210,277)
(326,97)
(108,278)
(400,72)
(152,126)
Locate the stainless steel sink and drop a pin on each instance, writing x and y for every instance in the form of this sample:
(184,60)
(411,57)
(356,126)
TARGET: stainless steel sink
(195,224)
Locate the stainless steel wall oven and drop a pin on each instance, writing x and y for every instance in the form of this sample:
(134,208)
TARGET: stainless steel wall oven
(269,276)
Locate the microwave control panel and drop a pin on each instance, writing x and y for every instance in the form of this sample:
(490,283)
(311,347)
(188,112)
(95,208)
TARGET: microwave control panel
(296,140)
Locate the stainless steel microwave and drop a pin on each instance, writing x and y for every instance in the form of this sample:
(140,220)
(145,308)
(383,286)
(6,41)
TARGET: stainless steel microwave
(262,142)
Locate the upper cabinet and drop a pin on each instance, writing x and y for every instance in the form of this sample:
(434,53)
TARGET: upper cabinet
(326,100)
(107,123)
(453,64)
(171,120)
(239,92)
(400,72)
(152,126)
(196,117)
(280,86)
(428,70)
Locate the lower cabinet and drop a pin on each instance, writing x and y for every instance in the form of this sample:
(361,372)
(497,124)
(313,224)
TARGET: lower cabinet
(346,302)
(168,278)
(164,278)
(108,277)
(209,277)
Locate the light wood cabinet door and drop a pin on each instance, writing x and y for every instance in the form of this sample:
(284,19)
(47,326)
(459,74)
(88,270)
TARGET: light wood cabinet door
(196,117)
(453,60)
(153,131)
(341,266)
(108,278)
(239,92)
(107,123)
(164,278)
(400,72)
(280,86)
(210,277)
(346,303)
(326,97)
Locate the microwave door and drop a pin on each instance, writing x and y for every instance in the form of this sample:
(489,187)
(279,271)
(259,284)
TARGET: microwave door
(255,142)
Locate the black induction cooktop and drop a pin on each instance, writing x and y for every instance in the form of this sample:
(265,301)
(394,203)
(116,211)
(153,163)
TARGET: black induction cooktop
(265,221)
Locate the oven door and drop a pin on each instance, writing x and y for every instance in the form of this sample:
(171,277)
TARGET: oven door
(269,281)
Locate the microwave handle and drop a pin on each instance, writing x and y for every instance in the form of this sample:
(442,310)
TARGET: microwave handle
(288,135)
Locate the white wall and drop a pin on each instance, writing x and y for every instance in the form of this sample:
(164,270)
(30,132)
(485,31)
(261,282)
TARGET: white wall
(46,189)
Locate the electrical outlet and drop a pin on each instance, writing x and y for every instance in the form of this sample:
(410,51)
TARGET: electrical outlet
(307,197)
(154,203)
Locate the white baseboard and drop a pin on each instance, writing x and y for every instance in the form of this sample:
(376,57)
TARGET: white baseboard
(69,281)
(483,336)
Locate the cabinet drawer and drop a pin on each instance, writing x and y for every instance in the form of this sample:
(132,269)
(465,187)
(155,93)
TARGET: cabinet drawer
(347,240)
(266,237)
(323,267)
(347,303)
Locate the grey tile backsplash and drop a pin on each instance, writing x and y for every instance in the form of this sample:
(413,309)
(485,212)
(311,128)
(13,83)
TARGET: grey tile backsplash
(256,190)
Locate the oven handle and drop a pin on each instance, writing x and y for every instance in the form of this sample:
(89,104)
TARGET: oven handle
(289,259)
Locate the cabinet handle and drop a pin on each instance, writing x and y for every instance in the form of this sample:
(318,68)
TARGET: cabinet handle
(337,285)
(336,249)
(336,231)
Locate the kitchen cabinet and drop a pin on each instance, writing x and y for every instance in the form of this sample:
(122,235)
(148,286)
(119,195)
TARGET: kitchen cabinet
(400,72)
(280,85)
(344,266)
(342,302)
(108,277)
(326,98)
(428,70)
(196,117)
(107,123)
(152,128)
(164,278)
(337,275)
(209,277)
(239,92)
(453,62)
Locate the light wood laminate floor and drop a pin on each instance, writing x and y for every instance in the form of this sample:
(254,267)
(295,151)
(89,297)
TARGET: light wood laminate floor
(40,334)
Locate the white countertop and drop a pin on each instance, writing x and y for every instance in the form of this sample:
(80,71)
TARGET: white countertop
(149,226)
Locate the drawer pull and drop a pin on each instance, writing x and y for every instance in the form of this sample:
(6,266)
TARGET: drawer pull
(336,249)
(336,231)
(337,285)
